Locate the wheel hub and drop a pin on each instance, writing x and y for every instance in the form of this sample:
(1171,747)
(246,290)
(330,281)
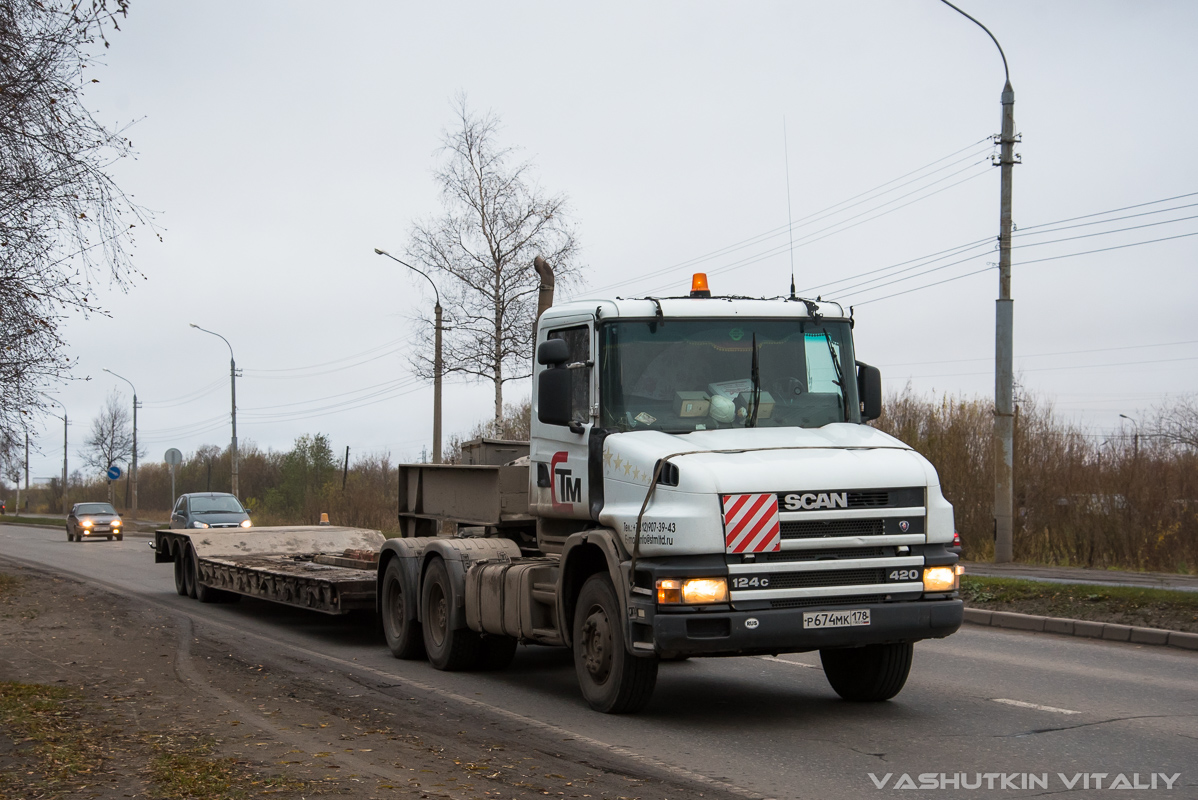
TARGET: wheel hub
(597,645)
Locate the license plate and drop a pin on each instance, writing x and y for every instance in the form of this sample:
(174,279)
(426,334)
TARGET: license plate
(850,618)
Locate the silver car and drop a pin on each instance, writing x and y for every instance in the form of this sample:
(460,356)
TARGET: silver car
(209,510)
(92,520)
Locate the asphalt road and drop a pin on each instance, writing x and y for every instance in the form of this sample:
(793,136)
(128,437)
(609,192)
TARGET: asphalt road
(981,702)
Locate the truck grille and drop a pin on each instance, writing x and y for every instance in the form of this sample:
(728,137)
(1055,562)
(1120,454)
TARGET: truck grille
(818,529)
(831,553)
(827,577)
(803,602)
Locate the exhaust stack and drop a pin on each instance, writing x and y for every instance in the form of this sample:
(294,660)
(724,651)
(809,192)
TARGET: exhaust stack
(545,295)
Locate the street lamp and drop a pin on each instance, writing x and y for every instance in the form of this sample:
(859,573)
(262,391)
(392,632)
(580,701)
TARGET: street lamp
(1136,440)
(64,450)
(1004,380)
(233,384)
(436,357)
(133,467)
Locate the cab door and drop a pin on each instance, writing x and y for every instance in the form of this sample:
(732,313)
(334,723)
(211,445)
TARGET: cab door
(559,453)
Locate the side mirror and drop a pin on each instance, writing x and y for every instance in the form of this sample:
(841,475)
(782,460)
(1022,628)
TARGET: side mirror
(553,394)
(553,352)
(869,389)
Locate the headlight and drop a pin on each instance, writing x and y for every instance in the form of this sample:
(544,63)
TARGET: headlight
(116,523)
(692,591)
(245,523)
(197,524)
(87,523)
(939,579)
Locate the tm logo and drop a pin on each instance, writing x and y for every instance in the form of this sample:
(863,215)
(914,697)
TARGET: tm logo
(564,490)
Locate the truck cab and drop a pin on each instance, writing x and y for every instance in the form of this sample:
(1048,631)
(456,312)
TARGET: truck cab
(722,441)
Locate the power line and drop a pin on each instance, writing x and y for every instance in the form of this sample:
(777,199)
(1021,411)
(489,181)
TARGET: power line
(809,219)
(1044,355)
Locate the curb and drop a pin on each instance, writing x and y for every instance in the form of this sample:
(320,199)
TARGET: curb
(1083,628)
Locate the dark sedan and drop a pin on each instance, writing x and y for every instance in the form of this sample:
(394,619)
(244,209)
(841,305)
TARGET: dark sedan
(209,510)
(92,520)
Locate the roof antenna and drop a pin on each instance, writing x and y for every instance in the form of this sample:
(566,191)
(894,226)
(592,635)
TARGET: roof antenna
(789,214)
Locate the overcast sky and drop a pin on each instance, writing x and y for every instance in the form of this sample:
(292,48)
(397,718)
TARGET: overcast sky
(279,143)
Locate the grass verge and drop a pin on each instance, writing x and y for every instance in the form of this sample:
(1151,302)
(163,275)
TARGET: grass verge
(181,773)
(40,521)
(1124,605)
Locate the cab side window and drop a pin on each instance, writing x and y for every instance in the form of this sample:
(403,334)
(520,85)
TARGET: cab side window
(579,340)
(181,506)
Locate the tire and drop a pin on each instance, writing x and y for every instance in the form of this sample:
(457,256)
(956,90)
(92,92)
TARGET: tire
(110,537)
(180,573)
(120,537)
(868,674)
(70,536)
(447,648)
(612,679)
(404,636)
(497,652)
(189,571)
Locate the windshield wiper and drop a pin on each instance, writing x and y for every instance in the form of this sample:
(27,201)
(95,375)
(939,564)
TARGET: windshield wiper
(844,408)
(751,422)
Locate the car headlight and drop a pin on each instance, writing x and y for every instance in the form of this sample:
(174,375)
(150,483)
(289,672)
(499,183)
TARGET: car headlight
(692,591)
(939,579)
(87,523)
(116,523)
(197,524)
(245,523)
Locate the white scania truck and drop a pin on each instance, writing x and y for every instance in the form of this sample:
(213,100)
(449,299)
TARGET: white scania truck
(699,481)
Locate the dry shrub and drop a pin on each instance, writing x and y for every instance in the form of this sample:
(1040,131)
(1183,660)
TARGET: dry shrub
(1081,499)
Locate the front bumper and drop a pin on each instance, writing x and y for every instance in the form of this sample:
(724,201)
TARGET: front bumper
(772,631)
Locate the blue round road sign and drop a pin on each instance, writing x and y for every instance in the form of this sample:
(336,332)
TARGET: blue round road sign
(114,472)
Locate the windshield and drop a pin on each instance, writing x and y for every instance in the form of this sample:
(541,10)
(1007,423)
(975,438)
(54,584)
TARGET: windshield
(223,503)
(95,508)
(686,375)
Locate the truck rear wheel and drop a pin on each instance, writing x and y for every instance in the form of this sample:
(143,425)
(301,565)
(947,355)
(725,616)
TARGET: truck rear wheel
(403,633)
(447,648)
(868,674)
(612,679)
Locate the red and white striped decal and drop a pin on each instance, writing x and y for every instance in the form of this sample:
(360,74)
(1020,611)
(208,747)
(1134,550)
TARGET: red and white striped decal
(751,523)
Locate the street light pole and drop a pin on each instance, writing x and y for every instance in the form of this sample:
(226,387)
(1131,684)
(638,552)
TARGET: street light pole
(233,384)
(1004,380)
(133,466)
(437,366)
(64,451)
(1136,440)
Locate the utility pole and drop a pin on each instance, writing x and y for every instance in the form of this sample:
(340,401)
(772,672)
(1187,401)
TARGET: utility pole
(437,365)
(133,465)
(233,385)
(1004,380)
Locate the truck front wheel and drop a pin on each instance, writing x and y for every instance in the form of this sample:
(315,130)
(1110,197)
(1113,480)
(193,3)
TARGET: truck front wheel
(403,633)
(612,679)
(447,648)
(868,674)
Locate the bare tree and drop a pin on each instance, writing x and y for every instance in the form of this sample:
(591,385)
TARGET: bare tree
(495,220)
(1176,422)
(63,221)
(111,437)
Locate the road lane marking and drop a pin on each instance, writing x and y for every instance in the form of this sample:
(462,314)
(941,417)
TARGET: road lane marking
(790,663)
(1036,706)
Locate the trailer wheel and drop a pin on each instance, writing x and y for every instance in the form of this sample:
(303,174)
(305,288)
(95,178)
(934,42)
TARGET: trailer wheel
(497,652)
(180,573)
(868,674)
(189,571)
(447,648)
(404,634)
(612,679)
